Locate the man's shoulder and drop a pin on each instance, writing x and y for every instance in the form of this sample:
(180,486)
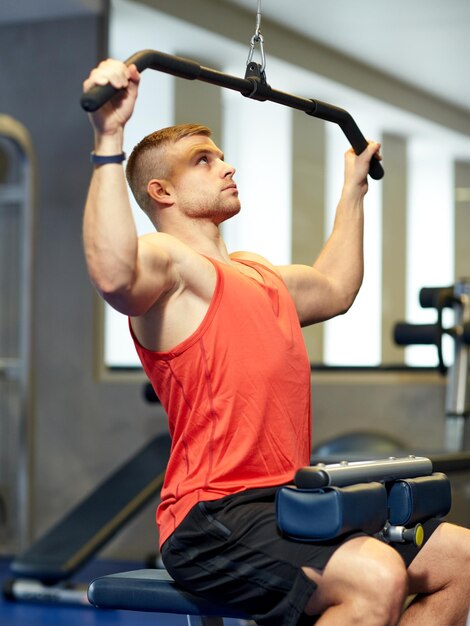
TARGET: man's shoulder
(160,239)
(178,251)
(252,257)
(242,255)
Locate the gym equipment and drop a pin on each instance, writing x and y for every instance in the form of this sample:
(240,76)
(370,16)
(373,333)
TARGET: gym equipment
(257,39)
(323,514)
(456,297)
(253,86)
(375,508)
(153,590)
(394,511)
(349,473)
(411,500)
(381,496)
(149,394)
(17,235)
(41,572)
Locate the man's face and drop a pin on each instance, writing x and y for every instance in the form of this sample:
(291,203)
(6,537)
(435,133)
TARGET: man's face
(202,181)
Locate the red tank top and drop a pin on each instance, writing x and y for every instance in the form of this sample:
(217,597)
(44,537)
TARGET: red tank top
(237,395)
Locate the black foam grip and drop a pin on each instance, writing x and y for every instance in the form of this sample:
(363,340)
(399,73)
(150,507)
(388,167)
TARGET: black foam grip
(94,98)
(406,334)
(376,170)
(432,297)
(359,144)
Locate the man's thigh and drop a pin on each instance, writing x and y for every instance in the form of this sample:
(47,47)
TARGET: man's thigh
(363,568)
(445,556)
(232,551)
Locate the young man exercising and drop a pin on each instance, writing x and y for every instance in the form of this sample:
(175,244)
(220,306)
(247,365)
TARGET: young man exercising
(219,336)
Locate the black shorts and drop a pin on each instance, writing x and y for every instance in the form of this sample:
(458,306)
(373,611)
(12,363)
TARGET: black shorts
(231,551)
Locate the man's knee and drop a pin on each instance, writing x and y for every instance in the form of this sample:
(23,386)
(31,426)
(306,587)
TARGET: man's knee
(386,587)
(368,577)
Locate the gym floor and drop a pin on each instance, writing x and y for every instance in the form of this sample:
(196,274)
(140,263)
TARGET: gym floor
(35,614)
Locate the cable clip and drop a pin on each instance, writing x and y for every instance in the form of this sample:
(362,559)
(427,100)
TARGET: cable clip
(257,39)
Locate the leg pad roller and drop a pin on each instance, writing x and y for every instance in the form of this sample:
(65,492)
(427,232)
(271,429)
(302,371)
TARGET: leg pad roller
(322,514)
(413,500)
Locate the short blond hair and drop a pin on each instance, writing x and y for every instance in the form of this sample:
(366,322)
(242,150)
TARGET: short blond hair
(147,159)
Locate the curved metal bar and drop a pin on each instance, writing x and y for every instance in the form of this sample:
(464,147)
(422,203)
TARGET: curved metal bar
(249,87)
(352,472)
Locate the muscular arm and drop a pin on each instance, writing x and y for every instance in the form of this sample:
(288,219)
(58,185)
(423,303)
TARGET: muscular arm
(130,273)
(329,287)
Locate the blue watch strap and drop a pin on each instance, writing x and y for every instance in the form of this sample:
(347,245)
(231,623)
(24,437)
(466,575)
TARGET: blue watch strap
(98,159)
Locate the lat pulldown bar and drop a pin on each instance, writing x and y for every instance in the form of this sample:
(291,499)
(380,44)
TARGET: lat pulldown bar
(252,86)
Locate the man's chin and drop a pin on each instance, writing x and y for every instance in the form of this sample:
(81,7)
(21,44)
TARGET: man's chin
(227,213)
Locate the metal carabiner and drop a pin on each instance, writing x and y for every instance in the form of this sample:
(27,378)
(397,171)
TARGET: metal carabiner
(257,39)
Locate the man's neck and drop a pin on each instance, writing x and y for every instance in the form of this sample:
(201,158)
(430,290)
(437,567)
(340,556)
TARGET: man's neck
(202,236)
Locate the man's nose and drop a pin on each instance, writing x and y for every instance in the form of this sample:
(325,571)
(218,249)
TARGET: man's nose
(228,169)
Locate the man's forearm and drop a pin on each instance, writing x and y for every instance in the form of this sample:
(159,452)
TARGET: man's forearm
(342,258)
(109,231)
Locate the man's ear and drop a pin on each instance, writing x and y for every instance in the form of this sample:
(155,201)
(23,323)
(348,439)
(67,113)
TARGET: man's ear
(161,191)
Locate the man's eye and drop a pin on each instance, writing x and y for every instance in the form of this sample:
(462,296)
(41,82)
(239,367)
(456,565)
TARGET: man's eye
(203,159)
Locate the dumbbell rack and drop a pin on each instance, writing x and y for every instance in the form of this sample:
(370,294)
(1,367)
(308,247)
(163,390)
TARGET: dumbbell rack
(457,404)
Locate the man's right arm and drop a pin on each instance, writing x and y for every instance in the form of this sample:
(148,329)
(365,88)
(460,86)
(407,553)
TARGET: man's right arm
(130,273)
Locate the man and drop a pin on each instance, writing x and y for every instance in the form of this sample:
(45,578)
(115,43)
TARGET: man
(219,337)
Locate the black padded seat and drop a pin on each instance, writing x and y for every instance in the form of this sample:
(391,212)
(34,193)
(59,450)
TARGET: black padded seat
(154,590)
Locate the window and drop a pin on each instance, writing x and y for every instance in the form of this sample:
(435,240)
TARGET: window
(256,139)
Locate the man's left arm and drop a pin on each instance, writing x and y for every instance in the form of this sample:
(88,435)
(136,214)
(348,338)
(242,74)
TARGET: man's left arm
(329,287)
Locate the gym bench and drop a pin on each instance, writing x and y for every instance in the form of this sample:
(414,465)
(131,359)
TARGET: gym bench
(387,497)
(154,590)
